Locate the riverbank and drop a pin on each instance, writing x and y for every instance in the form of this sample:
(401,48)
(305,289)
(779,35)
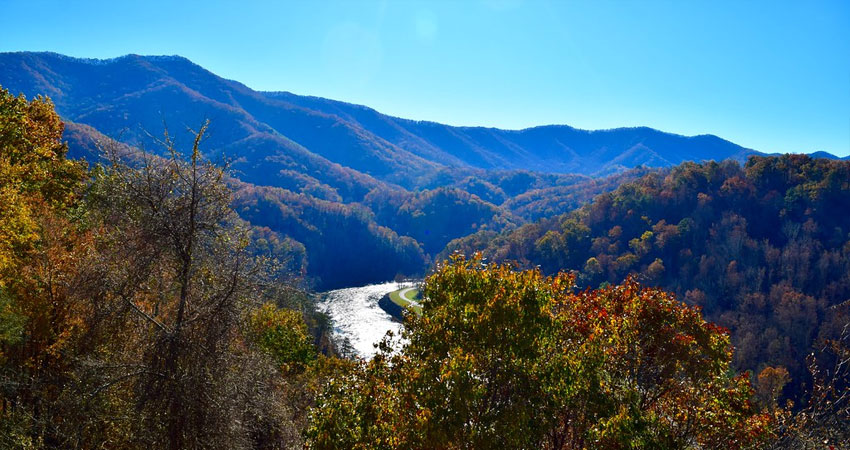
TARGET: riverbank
(396,303)
(394,310)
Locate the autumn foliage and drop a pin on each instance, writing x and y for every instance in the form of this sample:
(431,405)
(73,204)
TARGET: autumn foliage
(137,310)
(763,249)
(124,294)
(514,359)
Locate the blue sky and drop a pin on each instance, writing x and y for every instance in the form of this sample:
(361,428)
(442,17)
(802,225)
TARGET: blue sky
(769,75)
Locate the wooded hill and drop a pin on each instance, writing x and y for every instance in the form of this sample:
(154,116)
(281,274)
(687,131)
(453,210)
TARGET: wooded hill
(137,311)
(336,163)
(762,249)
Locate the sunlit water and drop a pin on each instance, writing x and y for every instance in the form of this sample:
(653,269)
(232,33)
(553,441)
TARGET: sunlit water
(357,316)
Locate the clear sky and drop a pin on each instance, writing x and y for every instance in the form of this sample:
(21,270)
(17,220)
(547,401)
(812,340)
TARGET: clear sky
(769,75)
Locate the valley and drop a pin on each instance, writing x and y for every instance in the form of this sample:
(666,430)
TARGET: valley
(186,262)
(339,182)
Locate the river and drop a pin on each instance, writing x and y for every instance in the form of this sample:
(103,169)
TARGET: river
(356,315)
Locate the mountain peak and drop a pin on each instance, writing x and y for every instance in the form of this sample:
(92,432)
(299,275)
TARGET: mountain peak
(97,61)
(113,97)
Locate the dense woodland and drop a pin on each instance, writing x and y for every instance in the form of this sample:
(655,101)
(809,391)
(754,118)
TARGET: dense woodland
(763,249)
(332,221)
(139,310)
(329,227)
(134,313)
(302,160)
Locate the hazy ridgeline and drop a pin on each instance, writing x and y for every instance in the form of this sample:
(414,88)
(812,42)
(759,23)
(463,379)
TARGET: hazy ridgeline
(346,168)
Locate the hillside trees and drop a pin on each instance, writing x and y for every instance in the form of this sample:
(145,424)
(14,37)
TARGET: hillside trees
(435,217)
(338,238)
(763,249)
(513,359)
(41,256)
(129,304)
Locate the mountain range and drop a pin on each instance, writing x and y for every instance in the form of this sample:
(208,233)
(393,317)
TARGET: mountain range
(305,164)
(133,94)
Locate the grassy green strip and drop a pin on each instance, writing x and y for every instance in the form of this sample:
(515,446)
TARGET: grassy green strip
(406,303)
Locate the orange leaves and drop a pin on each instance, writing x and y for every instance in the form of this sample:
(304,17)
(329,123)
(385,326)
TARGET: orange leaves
(45,291)
(32,170)
(770,382)
(538,365)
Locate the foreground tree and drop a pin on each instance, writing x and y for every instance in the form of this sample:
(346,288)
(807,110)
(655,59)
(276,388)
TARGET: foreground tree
(501,358)
(131,306)
(42,248)
(182,284)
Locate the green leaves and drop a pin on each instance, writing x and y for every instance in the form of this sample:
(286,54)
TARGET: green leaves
(513,359)
(283,334)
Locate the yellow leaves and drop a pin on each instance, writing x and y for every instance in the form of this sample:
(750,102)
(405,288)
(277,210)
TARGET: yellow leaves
(17,229)
(504,358)
(283,334)
(32,171)
(41,252)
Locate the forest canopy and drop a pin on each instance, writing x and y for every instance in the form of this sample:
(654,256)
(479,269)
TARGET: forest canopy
(139,310)
(133,314)
(513,359)
(763,250)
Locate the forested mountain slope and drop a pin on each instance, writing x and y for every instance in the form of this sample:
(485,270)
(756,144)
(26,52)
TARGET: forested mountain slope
(123,97)
(318,166)
(325,163)
(554,148)
(763,249)
(138,310)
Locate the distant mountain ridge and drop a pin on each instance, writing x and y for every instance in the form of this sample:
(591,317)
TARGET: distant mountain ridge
(827,155)
(547,148)
(337,184)
(122,95)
